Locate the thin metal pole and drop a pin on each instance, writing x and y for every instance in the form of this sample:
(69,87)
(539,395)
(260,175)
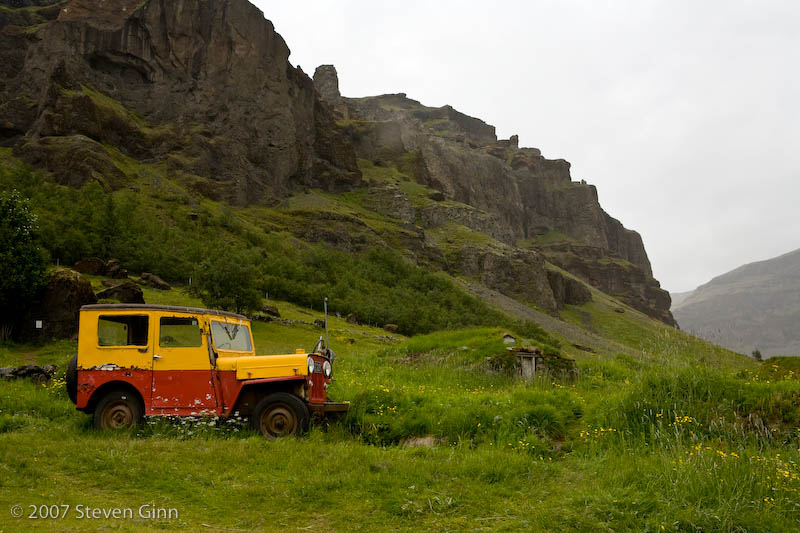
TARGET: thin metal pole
(327,339)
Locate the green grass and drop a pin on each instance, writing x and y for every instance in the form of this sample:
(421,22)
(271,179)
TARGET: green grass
(630,445)
(551,237)
(373,173)
(452,238)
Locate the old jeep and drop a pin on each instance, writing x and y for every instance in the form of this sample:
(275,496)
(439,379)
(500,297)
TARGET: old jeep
(151,360)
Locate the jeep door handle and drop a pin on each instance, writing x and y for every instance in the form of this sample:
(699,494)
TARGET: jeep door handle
(156,356)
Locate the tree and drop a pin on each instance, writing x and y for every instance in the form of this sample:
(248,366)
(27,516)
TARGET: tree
(22,264)
(227,281)
(757,355)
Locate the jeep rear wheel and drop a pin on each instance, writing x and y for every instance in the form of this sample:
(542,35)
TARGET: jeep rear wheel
(118,410)
(279,415)
(72,379)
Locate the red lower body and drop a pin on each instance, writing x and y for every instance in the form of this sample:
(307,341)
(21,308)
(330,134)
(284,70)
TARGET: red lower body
(186,392)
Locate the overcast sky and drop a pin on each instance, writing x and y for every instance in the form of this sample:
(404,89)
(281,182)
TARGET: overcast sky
(685,114)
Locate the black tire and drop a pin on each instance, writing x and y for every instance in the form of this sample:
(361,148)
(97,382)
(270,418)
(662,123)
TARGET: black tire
(280,415)
(72,379)
(119,409)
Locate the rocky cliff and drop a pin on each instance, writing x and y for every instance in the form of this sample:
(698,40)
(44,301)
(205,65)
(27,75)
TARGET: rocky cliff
(204,87)
(513,194)
(200,95)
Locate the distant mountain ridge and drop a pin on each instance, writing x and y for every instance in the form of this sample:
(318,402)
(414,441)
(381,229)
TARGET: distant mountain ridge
(755,306)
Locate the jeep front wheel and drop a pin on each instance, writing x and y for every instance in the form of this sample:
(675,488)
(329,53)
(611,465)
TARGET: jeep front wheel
(279,415)
(118,410)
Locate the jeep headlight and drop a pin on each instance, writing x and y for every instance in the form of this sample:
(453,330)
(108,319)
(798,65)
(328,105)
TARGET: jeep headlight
(310,366)
(327,369)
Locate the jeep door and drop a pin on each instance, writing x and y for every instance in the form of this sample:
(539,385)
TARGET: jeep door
(182,372)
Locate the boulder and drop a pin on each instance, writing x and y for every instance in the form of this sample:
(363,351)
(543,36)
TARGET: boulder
(126,292)
(35,373)
(391,328)
(262,317)
(270,310)
(64,294)
(114,269)
(351,319)
(151,280)
(93,266)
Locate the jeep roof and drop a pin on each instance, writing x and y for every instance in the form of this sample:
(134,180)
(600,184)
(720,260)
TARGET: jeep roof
(149,307)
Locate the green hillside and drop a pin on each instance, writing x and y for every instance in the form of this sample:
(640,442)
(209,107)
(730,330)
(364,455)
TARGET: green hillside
(658,431)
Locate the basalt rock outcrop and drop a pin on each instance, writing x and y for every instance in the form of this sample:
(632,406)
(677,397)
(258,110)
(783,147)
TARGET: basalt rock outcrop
(65,292)
(203,87)
(494,187)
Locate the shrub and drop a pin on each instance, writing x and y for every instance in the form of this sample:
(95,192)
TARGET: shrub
(227,280)
(22,264)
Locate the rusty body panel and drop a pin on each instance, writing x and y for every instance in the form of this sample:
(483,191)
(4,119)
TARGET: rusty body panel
(185,361)
(317,383)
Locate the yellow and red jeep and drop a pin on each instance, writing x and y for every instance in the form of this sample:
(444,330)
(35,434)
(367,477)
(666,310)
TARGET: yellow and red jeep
(139,360)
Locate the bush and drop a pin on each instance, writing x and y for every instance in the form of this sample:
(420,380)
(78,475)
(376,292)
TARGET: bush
(378,287)
(227,280)
(22,264)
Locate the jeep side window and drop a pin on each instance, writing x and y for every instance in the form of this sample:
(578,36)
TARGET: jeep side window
(122,330)
(231,336)
(180,333)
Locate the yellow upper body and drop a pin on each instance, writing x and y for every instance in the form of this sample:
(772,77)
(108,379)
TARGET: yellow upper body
(157,338)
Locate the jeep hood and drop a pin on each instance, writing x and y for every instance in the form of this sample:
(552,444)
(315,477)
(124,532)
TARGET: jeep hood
(265,366)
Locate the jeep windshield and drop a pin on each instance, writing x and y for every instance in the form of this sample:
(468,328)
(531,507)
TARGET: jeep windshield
(232,337)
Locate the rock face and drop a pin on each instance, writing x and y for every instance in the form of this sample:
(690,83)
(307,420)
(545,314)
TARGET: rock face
(516,273)
(496,188)
(203,93)
(616,277)
(205,87)
(568,291)
(389,200)
(326,81)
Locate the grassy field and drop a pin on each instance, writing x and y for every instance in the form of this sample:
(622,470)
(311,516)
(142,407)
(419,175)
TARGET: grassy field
(673,435)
